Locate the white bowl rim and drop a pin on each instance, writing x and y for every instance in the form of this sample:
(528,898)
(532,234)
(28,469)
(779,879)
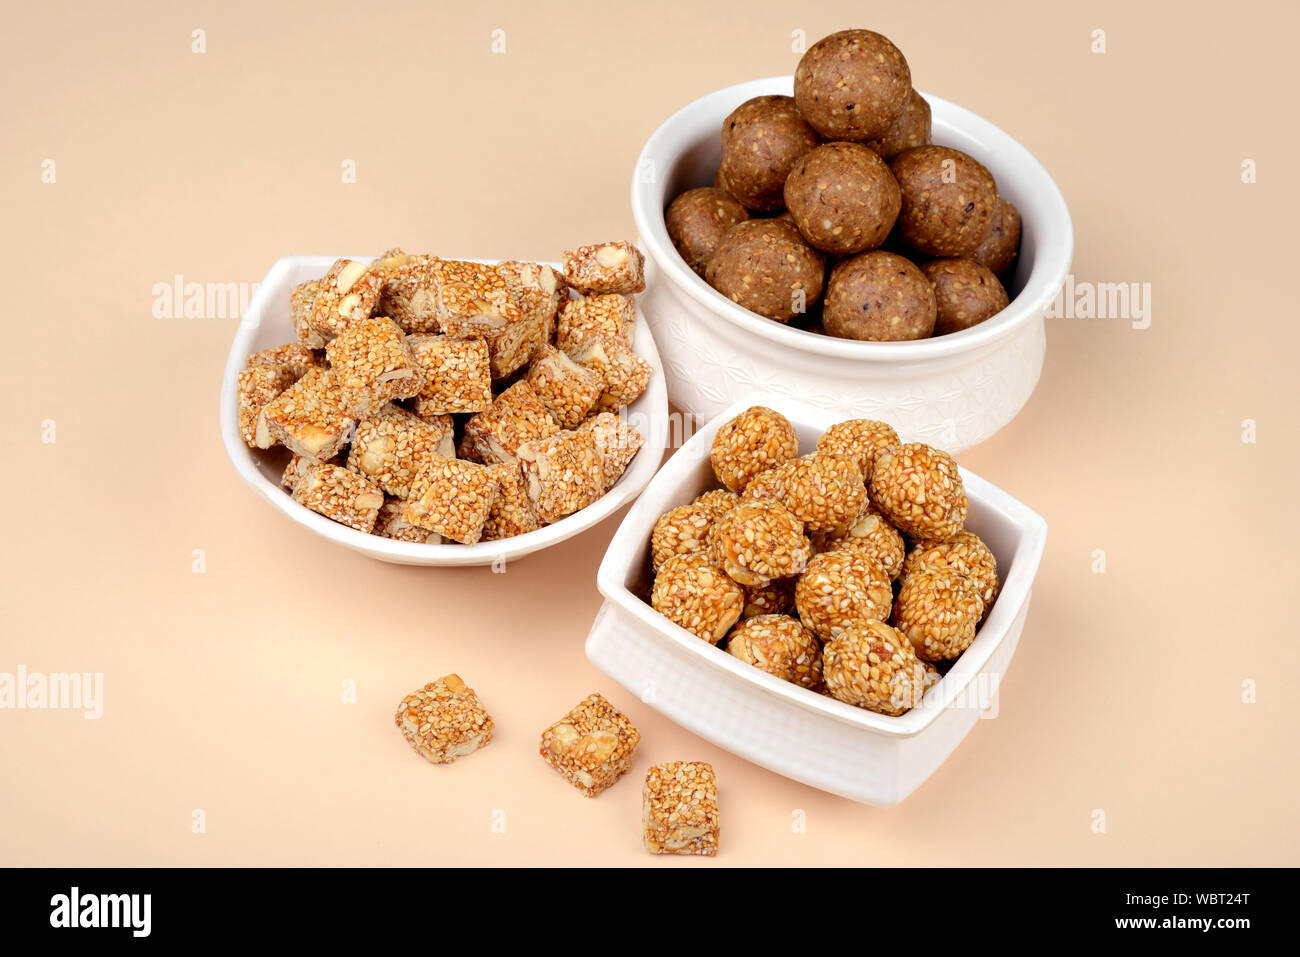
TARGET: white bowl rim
(1052,261)
(637,476)
(1017,581)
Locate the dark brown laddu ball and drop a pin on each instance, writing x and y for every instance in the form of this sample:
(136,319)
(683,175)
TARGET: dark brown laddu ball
(965,293)
(909,130)
(948,200)
(880,297)
(1001,241)
(852,85)
(698,219)
(766,266)
(843,198)
(761,140)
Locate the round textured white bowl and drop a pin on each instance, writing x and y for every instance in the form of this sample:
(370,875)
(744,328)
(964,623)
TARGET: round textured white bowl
(952,391)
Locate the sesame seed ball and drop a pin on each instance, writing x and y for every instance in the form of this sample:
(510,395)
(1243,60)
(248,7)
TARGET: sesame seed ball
(966,554)
(871,665)
(938,610)
(754,441)
(681,531)
(841,587)
(823,490)
(781,646)
(774,598)
(874,535)
(932,676)
(860,438)
(695,594)
(757,542)
(719,500)
(920,491)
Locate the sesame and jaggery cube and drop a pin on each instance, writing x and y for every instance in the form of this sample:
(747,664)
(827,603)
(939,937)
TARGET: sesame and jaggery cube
(347,293)
(453,498)
(444,720)
(860,438)
(563,473)
(297,467)
(512,511)
(536,286)
(756,440)
(842,587)
(759,541)
(679,809)
(872,533)
(341,495)
(591,746)
(683,530)
(965,553)
(515,416)
(696,594)
(780,645)
(311,417)
(872,665)
(456,373)
(612,314)
(512,348)
(391,446)
(474,299)
(919,489)
(624,373)
(569,391)
(293,358)
(392,524)
(373,364)
(824,490)
(442,421)
(408,294)
(617,443)
(601,268)
(302,304)
(257,388)
(939,612)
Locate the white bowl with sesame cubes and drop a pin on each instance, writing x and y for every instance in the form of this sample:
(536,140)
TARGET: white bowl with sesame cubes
(811,737)
(271,320)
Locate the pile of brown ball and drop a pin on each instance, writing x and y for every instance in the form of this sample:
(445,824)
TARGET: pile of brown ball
(838,190)
(846,571)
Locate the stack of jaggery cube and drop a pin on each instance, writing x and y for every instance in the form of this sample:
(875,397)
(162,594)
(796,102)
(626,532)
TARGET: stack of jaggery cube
(429,400)
(846,571)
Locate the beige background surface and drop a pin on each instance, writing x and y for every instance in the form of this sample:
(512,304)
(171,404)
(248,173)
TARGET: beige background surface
(222,690)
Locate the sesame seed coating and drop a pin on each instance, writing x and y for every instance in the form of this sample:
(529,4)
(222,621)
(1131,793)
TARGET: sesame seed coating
(774,598)
(569,391)
(563,473)
(347,293)
(939,611)
(340,495)
(824,490)
(694,593)
(679,809)
(391,524)
(456,373)
(920,491)
(842,587)
(408,294)
(452,498)
(515,416)
(617,443)
(754,441)
(681,531)
(258,387)
(444,720)
(966,554)
(579,318)
(860,438)
(373,364)
(512,512)
(591,746)
(758,541)
(605,268)
(872,666)
(779,645)
(391,446)
(873,534)
(310,417)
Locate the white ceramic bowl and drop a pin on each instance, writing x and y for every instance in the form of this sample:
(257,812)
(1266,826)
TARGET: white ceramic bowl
(795,732)
(952,391)
(266,323)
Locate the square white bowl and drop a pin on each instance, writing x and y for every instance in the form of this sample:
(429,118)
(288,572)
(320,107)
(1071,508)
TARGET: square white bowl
(266,323)
(803,735)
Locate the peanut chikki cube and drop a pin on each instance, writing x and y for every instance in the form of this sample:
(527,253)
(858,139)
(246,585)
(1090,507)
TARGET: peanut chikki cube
(536,287)
(408,295)
(341,495)
(258,387)
(310,417)
(591,746)
(516,416)
(391,446)
(512,513)
(299,465)
(579,318)
(302,304)
(563,473)
(617,443)
(625,373)
(474,299)
(679,811)
(444,720)
(457,374)
(391,524)
(373,364)
(453,498)
(605,267)
(568,390)
(514,346)
(348,292)
(294,358)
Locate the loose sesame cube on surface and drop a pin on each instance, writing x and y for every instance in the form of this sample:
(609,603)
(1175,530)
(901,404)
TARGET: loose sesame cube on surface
(512,513)
(348,292)
(391,524)
(617,443)
(258,387)
(457,374)
(563,473)
(579,318)
(294,358)
(453,498)
(409,294)
(391,446)
(340,494)
(310,417)
(605,267)
(679,809)
(514,346)
(591,746)
(625,373)
(302,304)
(444,720)
(373,364)
(569,391)
(516,416)
(474,299)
